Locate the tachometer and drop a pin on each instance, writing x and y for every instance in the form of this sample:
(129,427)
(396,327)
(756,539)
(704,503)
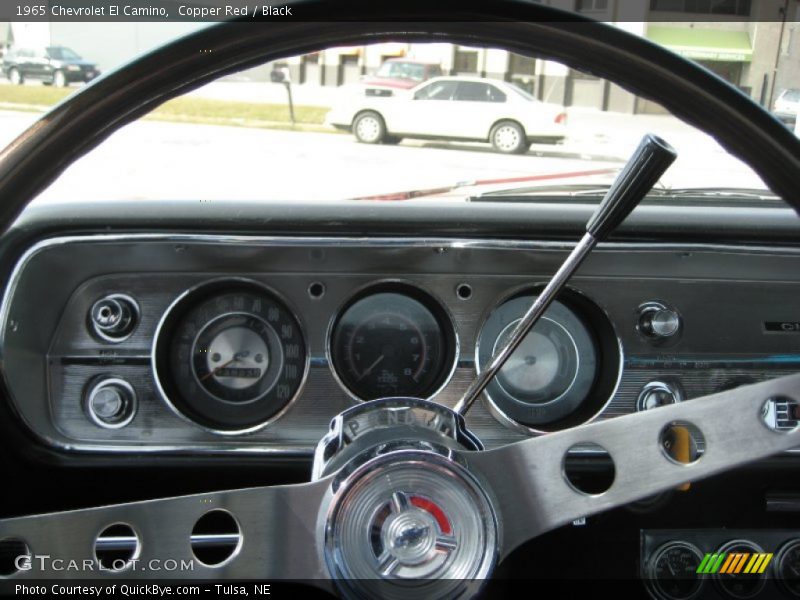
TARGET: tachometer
(230,360)
(392,343)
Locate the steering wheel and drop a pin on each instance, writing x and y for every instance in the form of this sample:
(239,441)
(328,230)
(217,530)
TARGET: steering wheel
(403,497)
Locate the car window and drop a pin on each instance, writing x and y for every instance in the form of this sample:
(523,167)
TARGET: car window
(438,90)
(472,91)
(60,53)
(403,70)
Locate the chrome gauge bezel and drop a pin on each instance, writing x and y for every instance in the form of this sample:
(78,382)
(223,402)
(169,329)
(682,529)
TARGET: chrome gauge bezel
(608,339)
(429,300)
(198,293)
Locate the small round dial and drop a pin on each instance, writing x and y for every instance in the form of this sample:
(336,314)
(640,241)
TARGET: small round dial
(230,359)
(391,344)
(787,568)
(740,584)
(551,372)
(673,571)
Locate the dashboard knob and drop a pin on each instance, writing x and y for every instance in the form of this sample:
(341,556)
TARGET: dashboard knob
(658,393)
(657,321)
(114,317)
(111,403)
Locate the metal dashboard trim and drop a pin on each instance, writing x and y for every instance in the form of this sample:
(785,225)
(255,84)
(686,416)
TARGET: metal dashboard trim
(300,241)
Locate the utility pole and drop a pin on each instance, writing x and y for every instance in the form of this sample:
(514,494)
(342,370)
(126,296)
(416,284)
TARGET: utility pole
(784,11)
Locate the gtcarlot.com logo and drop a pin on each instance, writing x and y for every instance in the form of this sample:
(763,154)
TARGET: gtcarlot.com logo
(46,563)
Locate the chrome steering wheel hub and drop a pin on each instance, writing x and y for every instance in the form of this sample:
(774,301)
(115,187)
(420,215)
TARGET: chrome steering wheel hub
(405,518)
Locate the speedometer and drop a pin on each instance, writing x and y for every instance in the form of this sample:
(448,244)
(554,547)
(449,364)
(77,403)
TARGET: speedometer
(230,359)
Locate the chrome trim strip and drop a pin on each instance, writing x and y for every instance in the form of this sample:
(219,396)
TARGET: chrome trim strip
(308,241)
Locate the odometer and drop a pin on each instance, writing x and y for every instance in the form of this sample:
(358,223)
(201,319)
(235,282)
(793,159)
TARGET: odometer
(230,360)
(389,343)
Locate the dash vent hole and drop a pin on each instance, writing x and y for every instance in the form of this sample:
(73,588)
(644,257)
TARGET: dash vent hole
(10,551)
(116,546)
(682,442)
(781,414)
(589,469)
(216,537)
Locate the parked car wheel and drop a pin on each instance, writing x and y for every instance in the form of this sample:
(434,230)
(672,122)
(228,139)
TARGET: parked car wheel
(15,77)
(508,137)
(369,128)
(59,79)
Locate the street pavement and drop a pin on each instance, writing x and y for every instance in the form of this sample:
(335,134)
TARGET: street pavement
(158,160)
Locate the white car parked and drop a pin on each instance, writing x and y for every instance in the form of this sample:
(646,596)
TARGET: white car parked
(452,108)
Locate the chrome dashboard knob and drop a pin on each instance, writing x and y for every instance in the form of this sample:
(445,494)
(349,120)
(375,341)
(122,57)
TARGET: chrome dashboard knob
(111,403)
(658,393)
(657,321)
(113,318)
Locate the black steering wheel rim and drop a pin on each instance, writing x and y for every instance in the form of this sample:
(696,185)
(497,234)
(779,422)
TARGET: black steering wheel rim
(38,156)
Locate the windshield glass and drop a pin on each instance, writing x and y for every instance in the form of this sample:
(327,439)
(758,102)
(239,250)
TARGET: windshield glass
(321,126)
(61,53)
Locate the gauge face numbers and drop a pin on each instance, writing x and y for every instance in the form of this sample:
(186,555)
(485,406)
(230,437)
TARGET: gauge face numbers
(231,360)
(550,373)
(673,571)
(390,344)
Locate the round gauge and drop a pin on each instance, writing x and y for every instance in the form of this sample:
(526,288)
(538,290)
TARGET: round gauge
(230,360)
(787,568)
(740,584)
(672,571)
(550,373)
(390,343)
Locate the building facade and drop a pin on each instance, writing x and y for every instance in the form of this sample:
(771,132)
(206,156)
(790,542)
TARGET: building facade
(753,44)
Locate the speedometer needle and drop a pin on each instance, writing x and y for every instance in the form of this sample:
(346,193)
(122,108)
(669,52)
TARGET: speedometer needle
(372,366)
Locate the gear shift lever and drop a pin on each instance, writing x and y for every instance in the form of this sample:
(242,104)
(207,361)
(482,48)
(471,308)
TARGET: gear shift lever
(650,160)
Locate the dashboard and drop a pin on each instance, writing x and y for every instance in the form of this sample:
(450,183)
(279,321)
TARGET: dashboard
(220,343)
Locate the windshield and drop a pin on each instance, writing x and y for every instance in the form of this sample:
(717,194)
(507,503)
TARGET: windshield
(61,53)
(315,127)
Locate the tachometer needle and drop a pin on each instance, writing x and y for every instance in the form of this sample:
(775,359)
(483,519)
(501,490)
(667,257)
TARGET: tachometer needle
(372,366)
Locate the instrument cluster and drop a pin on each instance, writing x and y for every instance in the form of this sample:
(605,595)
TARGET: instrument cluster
(196,344)
(230,355)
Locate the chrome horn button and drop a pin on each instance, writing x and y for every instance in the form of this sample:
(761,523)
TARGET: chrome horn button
(415,537)
(404,518)
(381,540)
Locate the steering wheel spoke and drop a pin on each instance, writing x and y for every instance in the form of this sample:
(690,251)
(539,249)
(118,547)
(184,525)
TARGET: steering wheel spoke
(533,495)
(276,538)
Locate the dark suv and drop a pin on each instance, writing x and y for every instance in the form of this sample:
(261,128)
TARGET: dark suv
(56,65)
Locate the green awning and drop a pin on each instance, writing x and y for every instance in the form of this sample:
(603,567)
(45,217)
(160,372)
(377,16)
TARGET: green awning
(703,44)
